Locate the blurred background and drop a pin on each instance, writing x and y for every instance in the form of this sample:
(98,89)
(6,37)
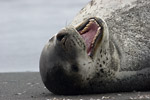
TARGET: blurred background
(25,27)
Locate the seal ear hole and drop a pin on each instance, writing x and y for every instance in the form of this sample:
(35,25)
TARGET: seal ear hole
(74,68)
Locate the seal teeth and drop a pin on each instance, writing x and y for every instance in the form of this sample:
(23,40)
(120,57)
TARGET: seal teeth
(97,24)
(92,20)
(84,30)
(87,26)
(97,33)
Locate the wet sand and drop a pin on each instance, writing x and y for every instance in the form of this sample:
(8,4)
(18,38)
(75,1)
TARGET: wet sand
(28,86)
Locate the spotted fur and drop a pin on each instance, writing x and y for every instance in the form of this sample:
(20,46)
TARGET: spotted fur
(121,62)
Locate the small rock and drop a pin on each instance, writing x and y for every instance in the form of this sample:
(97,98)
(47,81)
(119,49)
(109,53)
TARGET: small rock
(18,93)
(119,94)
(105,97)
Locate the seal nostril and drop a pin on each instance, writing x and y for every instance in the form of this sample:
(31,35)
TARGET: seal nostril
(60,36)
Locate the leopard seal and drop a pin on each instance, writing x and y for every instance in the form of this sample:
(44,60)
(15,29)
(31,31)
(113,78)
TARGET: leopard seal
(105,49)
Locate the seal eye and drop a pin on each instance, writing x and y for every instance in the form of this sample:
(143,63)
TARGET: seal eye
(91,32)
(74,68)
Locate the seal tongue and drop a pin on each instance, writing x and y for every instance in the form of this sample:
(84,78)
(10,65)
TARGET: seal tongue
(89,34)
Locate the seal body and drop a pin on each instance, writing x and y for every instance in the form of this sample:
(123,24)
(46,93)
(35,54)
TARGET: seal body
(106,48)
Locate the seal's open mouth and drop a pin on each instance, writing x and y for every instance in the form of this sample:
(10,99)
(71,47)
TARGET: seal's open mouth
(91,31)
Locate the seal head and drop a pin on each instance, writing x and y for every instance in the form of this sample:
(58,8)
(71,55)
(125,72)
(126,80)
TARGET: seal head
(73,58)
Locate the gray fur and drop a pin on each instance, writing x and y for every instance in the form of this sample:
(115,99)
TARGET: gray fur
(121,62)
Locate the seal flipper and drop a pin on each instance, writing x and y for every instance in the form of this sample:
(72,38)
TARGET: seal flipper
(133,80)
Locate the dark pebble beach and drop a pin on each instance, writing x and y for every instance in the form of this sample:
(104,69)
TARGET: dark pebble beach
(29,86)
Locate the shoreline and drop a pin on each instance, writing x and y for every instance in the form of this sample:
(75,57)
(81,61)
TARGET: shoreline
(28,86)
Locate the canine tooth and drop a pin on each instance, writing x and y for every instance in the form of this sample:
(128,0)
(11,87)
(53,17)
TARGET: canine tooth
(92,20)
(97,33)
(94,40)
(84,30)
(97,24)
(95,21)
(88,25)
(98,29)
(92,43)
(81,32)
